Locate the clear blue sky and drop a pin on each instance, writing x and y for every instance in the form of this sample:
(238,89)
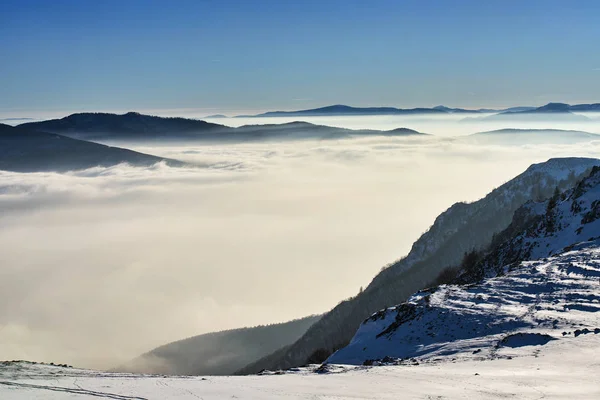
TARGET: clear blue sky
(258,55)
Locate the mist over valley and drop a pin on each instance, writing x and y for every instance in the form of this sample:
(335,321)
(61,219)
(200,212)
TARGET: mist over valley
(105,263)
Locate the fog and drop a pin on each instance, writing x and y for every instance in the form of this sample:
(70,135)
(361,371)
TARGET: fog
(98,266)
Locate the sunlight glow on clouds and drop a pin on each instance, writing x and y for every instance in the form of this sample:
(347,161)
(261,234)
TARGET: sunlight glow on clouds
(103,264)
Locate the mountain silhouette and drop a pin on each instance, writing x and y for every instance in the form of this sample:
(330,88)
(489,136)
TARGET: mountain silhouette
(25,150)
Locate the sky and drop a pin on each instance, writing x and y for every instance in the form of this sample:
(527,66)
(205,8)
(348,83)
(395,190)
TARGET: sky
(236,56)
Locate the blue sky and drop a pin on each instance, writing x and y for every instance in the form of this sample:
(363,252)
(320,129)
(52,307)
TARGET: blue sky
(232,56)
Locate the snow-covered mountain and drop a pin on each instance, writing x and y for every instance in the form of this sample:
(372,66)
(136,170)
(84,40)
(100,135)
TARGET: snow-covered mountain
(495,211)
(547,228)
(534,303)
(462,228)
(539,283)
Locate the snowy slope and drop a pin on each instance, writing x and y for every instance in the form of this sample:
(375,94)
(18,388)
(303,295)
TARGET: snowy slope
(529,330)
(563,369)
(529,303)
(461,228)
(550,227)
(537,302)
(537,180)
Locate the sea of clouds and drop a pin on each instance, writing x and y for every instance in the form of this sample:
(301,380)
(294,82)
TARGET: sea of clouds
(98,266)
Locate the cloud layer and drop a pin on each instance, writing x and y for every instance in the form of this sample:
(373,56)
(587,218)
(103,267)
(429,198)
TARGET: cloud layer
(98,266)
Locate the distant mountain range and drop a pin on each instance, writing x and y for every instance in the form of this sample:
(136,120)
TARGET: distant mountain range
(560,108)
(344,110)
(131,125)
(138,127)
(560,112)
(35,146)
(340,109)
(26,150)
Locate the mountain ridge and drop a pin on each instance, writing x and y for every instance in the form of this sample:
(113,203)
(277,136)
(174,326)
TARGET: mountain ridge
(342,109)
(218,353)
(461,228)
(551,111)
(24,150)
(538,284)
(133,126)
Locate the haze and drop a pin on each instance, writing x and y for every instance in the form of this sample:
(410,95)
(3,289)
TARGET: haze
(101,265)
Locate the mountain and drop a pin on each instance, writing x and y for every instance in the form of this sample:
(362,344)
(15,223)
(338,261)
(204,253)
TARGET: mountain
(340,109)
(513,315)
(452,110)
(557,108)
(544,229)
(24,150)
(512,109)
(480,110)
(563,108)
(460,229)
(305,130)
(530,136)
(538,283)
(129,126)
(548,108)
(219,353)
(585,107)
(138,127)
(550,111)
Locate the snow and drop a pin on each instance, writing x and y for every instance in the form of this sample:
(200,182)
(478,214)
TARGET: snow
(532,332)
(563,369)
(533,302)
(539,299)
(548,174)
(560,168)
